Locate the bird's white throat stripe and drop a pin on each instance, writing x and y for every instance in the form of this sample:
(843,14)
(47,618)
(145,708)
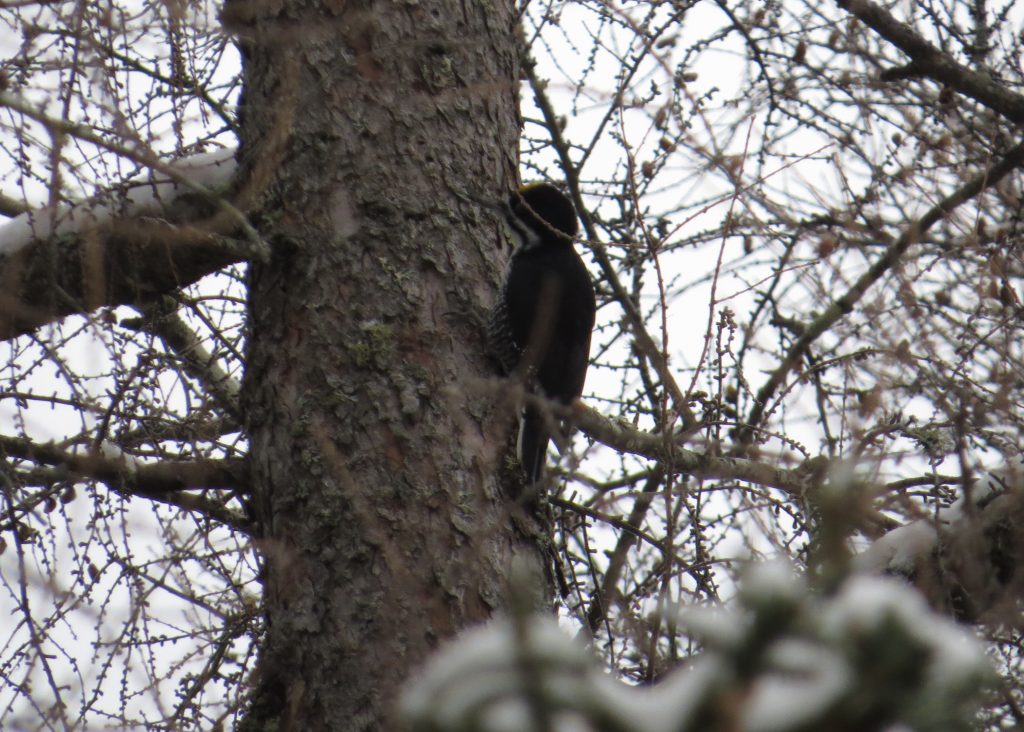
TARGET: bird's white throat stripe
(525,237)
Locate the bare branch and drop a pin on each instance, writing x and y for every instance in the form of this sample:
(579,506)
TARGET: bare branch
(163,481)
(161,319)
(927,60)
(845,304)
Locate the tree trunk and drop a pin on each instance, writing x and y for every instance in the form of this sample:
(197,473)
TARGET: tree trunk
(374,454)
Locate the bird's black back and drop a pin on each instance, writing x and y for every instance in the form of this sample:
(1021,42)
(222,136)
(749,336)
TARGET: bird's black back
(550,290)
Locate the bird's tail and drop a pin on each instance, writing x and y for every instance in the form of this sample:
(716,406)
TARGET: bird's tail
(533,443)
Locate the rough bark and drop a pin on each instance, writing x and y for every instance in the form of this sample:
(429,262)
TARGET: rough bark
(384,526)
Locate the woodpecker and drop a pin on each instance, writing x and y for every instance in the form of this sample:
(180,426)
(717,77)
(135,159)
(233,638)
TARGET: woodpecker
(540,327)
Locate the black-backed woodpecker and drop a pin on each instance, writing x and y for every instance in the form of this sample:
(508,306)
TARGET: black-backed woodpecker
(540,327)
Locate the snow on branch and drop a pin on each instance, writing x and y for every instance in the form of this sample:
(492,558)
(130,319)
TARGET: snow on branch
(869,656)
(149,237)
(964,557)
